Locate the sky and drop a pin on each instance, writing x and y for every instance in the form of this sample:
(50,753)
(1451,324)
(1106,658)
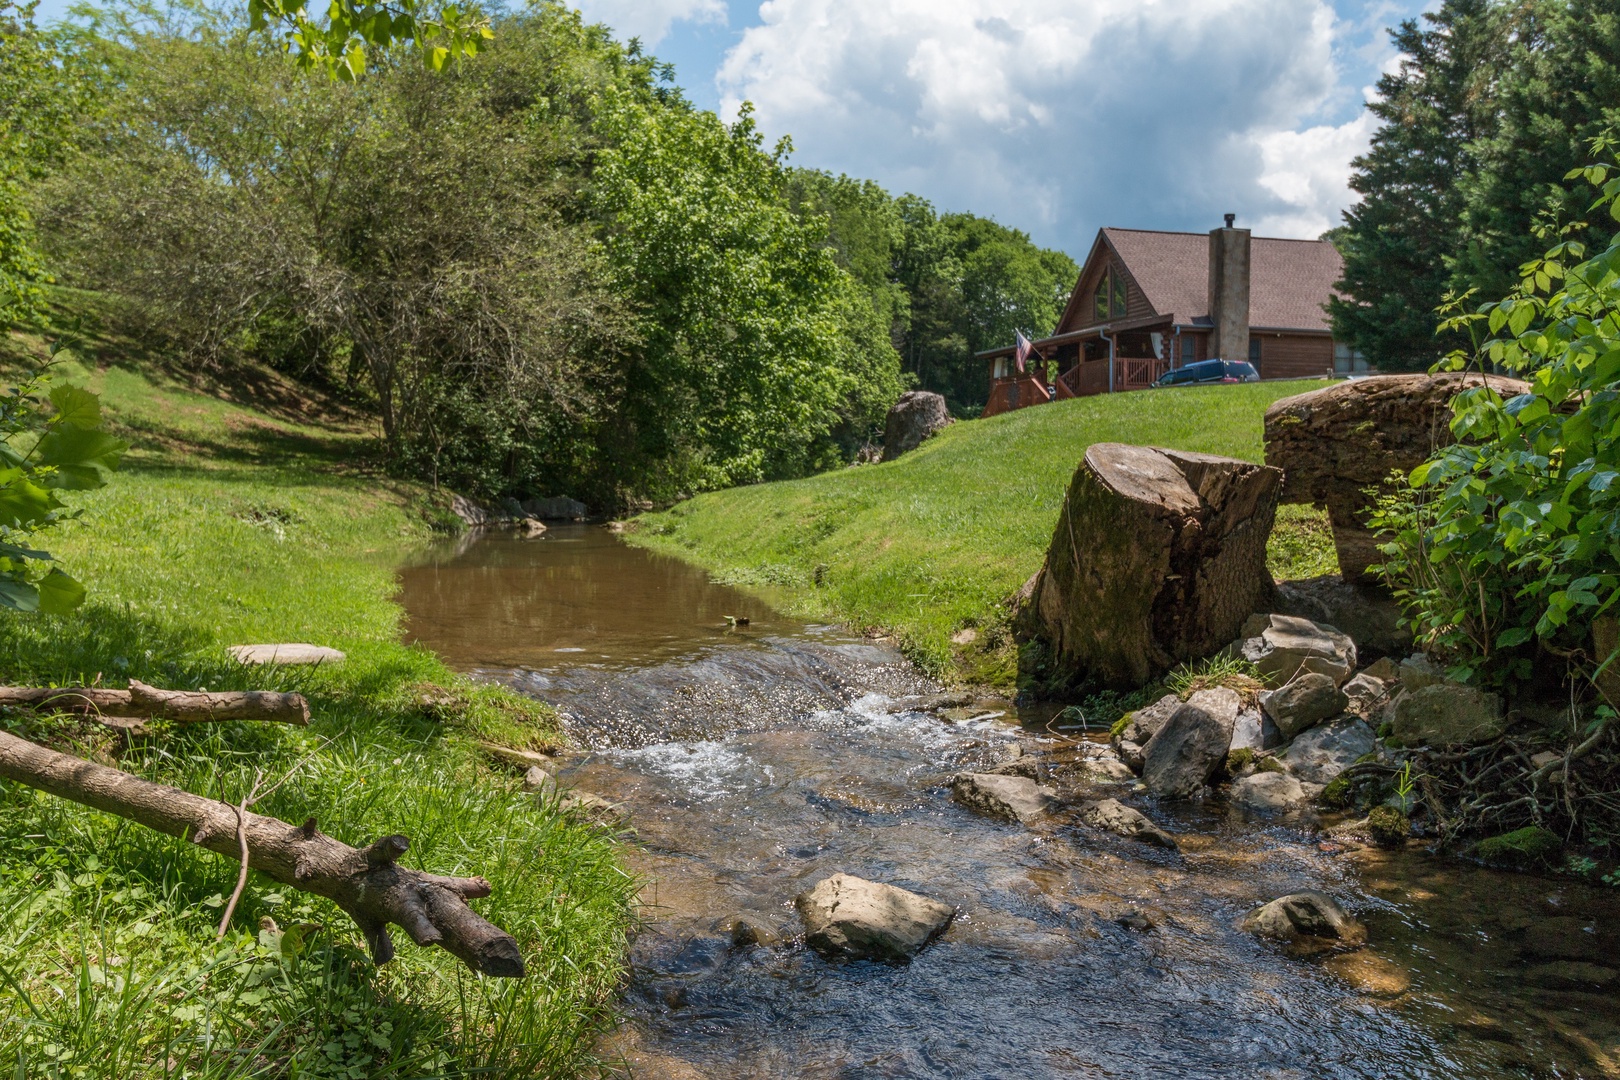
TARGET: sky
(1056,117)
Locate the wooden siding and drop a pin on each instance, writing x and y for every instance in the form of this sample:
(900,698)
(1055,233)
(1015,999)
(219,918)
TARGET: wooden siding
(1294,356)
(1015,393)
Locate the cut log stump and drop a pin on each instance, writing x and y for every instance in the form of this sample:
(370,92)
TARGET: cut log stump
(367,883)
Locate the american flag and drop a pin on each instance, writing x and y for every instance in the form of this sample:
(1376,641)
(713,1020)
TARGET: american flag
(1023,350)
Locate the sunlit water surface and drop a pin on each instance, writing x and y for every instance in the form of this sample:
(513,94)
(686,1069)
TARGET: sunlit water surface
(756,760)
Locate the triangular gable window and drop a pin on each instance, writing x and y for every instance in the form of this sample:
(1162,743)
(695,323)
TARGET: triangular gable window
(1109,299)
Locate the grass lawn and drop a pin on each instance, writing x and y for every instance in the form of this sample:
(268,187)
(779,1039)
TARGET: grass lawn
(932,544)
(255,519)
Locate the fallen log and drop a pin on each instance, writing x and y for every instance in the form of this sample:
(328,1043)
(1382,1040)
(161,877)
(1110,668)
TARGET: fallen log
(367,883)
(181,706)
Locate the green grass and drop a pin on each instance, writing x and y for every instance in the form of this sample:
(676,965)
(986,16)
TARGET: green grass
(256,520)
(933,544)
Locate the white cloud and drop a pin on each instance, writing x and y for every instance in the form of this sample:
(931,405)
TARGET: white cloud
(650,20)
(1059,116)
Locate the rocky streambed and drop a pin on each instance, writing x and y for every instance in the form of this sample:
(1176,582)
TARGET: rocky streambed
(1096,924)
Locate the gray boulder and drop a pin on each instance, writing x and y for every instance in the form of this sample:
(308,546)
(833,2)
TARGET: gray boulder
(1113,816)
(1157,558)
(1286,642)
(914,417)
(1255,730)
(1418,671)
(1306,915)
(1366,696)
(1307,701)
(1271,793)
(1145,722)
(1130,753)
(1446,714)
(539,782)
(1000,796)
(1192,745)
(849,917)
(556,508)
(1326,750)
(1367,613)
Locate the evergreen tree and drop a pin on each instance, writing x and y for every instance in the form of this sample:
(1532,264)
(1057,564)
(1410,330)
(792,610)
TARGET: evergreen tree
(1397,240)
(1559,89)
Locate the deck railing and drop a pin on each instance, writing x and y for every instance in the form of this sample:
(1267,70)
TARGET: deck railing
(1138,374)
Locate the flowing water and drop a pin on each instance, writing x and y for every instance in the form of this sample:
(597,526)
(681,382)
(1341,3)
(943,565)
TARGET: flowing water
(756,759)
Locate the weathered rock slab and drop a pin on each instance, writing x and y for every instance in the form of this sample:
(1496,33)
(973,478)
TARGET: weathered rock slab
(1335,443)
(1145,722)
(1446,714)
(297,652)
(1271,793)
(1003,797)
(1366,612)
(849,917)
(915,416)
(1157,558)
(1283,643)
(1113,816)
(1326,750)
(1302,704)
(1192,745)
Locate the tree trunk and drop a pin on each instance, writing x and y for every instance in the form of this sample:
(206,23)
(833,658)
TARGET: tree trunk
(366,883)
(182,706)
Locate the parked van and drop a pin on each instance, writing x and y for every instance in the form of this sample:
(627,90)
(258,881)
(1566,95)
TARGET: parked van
(1209,371)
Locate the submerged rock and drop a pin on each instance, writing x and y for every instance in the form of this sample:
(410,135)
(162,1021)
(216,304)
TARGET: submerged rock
(852,918)
(1006,798)
(1572,975)
(1304,703)
(1192,745)
(1306,918)
(1113,816)
(1158,556)
(748,929)
(1326,750)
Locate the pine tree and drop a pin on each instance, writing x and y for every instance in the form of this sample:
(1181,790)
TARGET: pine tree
(1397,240)
(1560,88)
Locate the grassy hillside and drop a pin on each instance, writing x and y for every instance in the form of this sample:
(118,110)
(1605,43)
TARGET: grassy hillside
(256,519)
(931,544)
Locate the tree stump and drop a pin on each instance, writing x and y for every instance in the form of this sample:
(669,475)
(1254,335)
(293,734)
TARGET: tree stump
(1158,557)
(1335,443)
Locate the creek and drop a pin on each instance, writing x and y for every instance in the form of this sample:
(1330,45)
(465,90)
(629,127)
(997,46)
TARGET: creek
(756,759)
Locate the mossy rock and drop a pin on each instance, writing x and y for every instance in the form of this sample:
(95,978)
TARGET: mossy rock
(1237,759)
(1267,763)
(1119,726)
(1531,846)
(1388,826)
(1338,794)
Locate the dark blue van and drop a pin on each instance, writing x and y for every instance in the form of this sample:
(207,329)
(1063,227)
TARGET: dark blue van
(1209,371)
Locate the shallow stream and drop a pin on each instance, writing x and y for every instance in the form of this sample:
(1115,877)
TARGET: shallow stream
(756,759)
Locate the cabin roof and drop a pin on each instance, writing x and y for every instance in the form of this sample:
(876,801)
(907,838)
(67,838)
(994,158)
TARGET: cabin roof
(1289,280)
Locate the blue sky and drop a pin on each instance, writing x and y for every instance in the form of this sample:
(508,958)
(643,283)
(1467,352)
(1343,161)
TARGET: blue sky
(1052,116)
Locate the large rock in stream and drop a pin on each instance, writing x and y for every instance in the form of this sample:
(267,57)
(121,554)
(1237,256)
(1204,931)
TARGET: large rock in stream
(1191,746)
(1335,443)
(847,917)
(1003,796)
(1158,557)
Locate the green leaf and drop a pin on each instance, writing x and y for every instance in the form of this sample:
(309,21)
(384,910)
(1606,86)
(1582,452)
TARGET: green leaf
(18,595)
(24,504)
(76,406)
(1517,635)
(59,593)
(83,459)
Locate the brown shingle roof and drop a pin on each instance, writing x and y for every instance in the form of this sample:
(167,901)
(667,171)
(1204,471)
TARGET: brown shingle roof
(1289,280)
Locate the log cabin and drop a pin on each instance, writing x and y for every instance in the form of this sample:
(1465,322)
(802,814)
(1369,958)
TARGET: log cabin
(1149,301)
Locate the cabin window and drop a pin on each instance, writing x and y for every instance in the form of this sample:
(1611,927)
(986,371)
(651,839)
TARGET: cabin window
(1189,349)
(1109,299)
(1348,361)
(1100,305)
(1119,296)
(1254,352)
(1002,363)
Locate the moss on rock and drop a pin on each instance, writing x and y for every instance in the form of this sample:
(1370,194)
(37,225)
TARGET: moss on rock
(1388,826)
(1522,848)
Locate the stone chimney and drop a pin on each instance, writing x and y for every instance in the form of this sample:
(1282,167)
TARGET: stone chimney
(1229,291)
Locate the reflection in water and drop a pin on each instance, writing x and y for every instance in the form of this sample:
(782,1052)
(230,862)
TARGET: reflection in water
(574,595)
(753,765)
